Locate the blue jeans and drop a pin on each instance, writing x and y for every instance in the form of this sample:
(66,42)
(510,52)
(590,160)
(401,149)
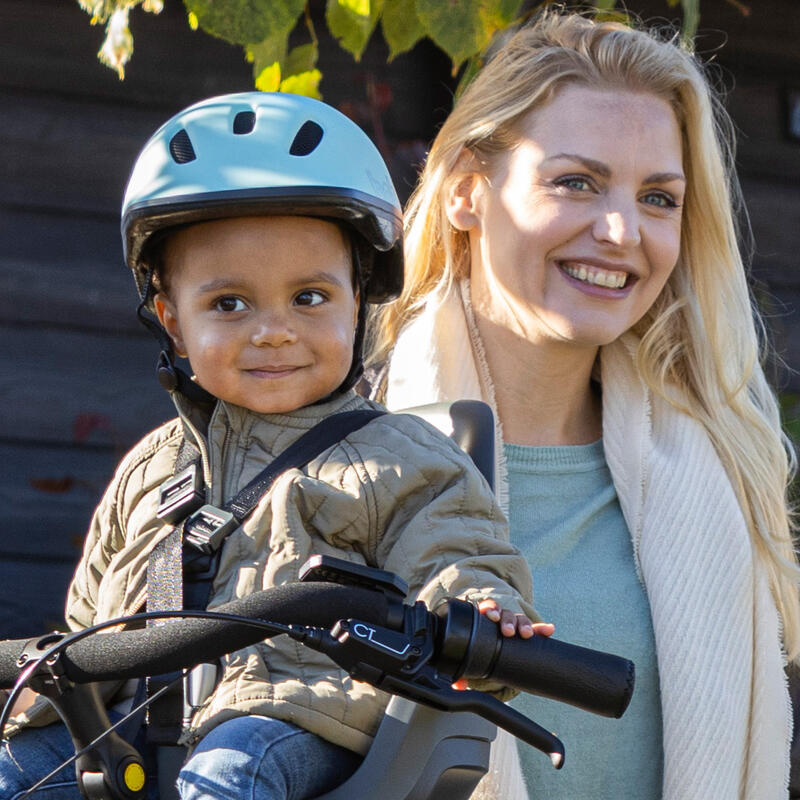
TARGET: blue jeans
(245,758)
(257,758)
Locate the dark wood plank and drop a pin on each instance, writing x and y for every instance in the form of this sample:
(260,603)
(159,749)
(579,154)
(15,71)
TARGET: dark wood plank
(48,496)
(66,154)
(57,385)
(65,269)
(32,596)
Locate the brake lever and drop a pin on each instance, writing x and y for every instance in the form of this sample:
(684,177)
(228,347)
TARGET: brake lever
(397,662)
(429,689)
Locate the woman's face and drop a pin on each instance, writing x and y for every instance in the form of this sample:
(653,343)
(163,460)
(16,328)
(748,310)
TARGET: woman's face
(575,231)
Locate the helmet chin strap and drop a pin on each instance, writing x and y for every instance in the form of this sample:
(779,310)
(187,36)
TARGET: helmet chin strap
(171,378)
(357,365)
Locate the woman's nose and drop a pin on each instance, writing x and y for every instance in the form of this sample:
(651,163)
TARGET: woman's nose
(273,330)
(618,225)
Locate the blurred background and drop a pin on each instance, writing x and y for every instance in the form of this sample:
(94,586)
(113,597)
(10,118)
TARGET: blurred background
(77,379)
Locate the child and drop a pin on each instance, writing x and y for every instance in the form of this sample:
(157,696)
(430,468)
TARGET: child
(258,227)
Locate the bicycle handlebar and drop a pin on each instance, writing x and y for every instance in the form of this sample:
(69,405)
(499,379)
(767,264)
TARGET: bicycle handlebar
(466,644)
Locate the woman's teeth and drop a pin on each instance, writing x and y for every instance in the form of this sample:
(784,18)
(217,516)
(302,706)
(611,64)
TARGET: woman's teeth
(597,277)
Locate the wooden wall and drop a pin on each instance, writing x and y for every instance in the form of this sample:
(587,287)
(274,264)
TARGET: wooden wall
(77,384)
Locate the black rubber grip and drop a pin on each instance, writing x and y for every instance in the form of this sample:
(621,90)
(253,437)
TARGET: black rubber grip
(174,646)
(589,679)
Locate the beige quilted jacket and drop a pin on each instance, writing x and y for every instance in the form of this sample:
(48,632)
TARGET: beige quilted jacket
(395,494)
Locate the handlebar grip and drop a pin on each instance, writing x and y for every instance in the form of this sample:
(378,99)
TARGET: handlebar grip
(589,679)
(180,644)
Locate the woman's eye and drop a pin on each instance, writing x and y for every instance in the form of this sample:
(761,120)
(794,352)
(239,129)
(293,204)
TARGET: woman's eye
(660,200)
(309,298)
(576,182)
(228,304)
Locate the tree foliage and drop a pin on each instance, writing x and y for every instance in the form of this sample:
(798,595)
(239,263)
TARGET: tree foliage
(461,28)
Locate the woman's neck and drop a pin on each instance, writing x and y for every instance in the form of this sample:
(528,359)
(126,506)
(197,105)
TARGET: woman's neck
(544,391)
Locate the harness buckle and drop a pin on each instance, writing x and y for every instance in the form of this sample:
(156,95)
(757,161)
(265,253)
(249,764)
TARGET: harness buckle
(181,495)
(207,528)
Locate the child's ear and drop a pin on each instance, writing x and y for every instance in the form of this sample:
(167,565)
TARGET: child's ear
(462,198)
(168,317)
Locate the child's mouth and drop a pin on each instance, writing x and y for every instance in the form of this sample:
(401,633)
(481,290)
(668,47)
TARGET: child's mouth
(272,372)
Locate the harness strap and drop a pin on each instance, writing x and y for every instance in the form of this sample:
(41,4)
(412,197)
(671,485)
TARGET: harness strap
(181,568)
(323,435)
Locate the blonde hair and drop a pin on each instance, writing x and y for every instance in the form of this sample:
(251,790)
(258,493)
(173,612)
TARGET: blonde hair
(702,342)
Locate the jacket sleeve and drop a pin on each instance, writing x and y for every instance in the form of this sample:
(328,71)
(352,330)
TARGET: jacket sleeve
(104,537)
(435,520)
(128,496)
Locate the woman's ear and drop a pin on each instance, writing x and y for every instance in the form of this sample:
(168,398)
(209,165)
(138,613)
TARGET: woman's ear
(461,200)
(168,317)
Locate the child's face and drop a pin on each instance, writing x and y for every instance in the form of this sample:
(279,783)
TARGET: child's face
(263,307)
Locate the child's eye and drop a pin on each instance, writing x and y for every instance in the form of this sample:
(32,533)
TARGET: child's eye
(578,183)
(660,200)
(229,304)
(309,297)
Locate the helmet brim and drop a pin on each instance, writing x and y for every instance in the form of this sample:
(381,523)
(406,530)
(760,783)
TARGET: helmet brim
(378,223)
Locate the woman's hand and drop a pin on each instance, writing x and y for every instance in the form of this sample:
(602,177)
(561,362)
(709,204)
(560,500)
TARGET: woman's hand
(512,624)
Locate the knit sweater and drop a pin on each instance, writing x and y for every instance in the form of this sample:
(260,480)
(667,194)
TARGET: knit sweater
(726,710)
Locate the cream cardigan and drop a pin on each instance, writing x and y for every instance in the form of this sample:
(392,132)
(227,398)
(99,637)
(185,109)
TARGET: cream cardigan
(725,703)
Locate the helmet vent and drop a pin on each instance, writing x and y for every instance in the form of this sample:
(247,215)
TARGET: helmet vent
(306,139)
(180,147)
(244,122)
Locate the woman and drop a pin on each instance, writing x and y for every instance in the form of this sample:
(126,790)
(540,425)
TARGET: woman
(573,261)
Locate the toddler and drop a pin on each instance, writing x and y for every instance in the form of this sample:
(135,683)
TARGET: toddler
(258,227)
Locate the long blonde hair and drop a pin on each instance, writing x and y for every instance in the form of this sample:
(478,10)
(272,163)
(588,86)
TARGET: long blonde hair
(702,342)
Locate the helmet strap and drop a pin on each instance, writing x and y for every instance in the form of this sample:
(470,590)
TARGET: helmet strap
(357,364)
(171,378)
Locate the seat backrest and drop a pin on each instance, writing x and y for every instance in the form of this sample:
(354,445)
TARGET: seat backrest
(419,753)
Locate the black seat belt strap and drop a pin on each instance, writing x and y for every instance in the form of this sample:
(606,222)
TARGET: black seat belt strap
(207,527)
(181,568)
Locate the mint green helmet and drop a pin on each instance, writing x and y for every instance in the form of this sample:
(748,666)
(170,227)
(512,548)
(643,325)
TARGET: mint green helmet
(259,153)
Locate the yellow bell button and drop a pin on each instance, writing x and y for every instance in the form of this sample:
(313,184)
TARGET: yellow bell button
(134,777)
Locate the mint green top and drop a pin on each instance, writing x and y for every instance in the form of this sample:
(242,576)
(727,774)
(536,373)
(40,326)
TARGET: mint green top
(566,519)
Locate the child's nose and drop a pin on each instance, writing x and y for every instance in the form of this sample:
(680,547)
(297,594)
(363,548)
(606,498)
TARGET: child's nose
(272,330)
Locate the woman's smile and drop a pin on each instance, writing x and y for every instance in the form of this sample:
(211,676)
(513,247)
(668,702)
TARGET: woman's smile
(591,275)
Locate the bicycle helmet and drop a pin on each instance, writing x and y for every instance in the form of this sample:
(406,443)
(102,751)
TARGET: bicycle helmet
(259,153)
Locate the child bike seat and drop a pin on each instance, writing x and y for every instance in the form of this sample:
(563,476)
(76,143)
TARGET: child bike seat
(419,753)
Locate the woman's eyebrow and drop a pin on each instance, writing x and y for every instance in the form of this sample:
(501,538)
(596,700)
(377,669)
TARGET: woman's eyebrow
(590,163)
(665,177)
(599,168)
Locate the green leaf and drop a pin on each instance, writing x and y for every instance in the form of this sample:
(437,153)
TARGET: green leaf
(605,5)
(264,54)
(269,79)
(465,27)
(245,21)
(691,19)
(474,66)
(359,7)
(301,59)
(347,22)
(306,83)
(401,26)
